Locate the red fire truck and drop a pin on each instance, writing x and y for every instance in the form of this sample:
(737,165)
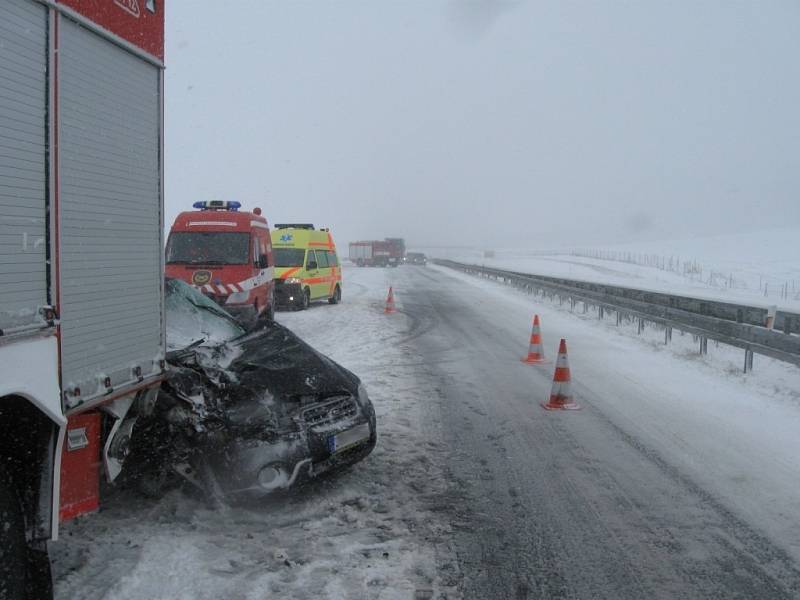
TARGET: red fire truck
(81,262)
(226,254)
(390,252)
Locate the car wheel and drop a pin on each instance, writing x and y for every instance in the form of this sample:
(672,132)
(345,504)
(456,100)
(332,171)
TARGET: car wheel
(306,299)
(13,547)
(337,296)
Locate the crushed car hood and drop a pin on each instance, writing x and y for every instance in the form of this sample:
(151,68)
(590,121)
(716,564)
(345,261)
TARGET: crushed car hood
(276,359)
(270,360)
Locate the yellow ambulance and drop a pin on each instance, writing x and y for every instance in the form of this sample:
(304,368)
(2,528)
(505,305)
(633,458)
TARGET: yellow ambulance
(306,265)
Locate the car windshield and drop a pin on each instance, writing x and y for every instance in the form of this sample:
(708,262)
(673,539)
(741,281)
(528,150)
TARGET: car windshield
(208,248)
(288,257)
(193,318)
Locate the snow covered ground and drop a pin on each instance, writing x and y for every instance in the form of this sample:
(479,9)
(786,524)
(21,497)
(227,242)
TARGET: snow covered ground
(680,473)
(753,268)
(373,532)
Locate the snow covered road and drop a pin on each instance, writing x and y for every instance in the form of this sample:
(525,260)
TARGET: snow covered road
(678,478)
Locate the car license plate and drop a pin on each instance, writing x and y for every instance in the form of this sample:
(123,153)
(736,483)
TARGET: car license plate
(342,441)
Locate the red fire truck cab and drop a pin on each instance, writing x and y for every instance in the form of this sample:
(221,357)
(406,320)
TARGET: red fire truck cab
(225,253)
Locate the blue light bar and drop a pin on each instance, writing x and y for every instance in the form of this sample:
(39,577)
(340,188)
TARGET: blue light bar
(231,205)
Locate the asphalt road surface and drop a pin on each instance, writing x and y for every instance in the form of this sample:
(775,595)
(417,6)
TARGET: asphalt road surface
(566,504)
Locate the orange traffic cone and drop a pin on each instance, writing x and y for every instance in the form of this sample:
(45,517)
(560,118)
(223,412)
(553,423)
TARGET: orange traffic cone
(535,352)
(390,302)
(561,395)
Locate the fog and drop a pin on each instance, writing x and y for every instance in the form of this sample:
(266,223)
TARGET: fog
(488,123)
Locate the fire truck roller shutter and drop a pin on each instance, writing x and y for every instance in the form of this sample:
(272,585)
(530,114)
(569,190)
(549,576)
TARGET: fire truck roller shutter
(23,117)
(111,280)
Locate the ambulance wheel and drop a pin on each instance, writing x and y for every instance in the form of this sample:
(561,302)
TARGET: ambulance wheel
(13,547)
(337,296)
(306,299)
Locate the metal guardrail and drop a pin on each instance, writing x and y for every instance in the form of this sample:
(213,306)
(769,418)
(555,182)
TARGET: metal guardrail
(734,324)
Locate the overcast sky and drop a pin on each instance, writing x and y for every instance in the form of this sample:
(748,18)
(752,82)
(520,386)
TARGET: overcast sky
(488,123)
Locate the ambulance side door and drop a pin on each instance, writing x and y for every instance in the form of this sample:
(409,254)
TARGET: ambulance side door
(325,289)
(336,271)
(312,274)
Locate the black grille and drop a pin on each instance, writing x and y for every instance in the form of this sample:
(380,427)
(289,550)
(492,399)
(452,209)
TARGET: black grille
(331,411)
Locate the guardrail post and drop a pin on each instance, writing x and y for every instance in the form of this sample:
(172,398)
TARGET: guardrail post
(571,303)
(748,360)
(619,318)
(585,306)
(703,344)
(599,312)
(667,334)
(640,328)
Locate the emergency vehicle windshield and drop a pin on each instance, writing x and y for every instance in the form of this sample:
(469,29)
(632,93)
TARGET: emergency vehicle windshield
(288,257)
(208,248)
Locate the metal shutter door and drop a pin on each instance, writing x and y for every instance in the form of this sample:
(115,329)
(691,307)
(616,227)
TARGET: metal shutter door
(110,204)
(23,117)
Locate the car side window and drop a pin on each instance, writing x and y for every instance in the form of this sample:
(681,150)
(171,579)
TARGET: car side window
(310,258)
(333,261)
(322,259)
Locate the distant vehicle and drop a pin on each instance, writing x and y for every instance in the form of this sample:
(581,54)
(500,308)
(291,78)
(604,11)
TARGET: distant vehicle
(306,265)
(245,414)
(377,253)
(369,253)
(225,253)
(81,242)
(397,251)
(416,258)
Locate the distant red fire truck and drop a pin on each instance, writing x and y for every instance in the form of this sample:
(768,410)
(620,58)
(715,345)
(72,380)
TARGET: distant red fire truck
(390,252)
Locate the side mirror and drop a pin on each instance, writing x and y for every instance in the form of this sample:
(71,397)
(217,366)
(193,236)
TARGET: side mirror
(311,266)
(263,261)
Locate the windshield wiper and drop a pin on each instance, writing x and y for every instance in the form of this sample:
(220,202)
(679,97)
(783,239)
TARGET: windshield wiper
(186,349)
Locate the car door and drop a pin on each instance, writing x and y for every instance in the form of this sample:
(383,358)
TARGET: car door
(325,289)
(336,272)
(312,276)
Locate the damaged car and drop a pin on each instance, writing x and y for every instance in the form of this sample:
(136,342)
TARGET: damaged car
(245,413)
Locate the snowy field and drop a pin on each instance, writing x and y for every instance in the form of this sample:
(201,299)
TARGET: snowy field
(373,532)
(760,268)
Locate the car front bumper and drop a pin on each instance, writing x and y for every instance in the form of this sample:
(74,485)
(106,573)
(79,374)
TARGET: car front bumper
(252,469)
